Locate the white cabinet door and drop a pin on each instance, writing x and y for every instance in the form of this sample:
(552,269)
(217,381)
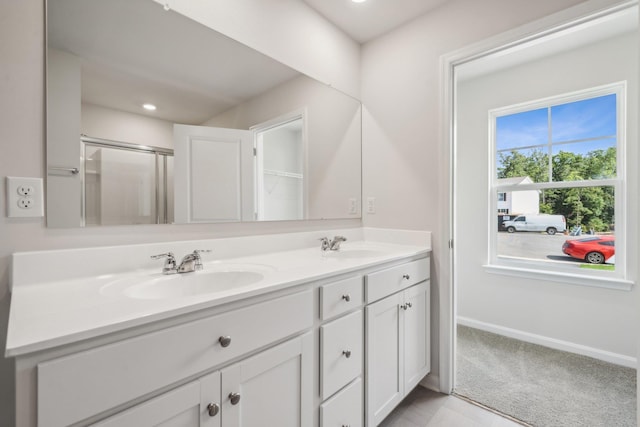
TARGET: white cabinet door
(272,388)
(398,352)
(384,361)
(417,357)
(186,406)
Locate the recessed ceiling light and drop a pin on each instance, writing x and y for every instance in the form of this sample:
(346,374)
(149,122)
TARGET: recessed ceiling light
(358,1)
(149,107)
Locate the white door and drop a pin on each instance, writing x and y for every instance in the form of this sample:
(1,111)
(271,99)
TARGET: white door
(417,357)
(213,174)
(384,359)
(185,406)
(272,388)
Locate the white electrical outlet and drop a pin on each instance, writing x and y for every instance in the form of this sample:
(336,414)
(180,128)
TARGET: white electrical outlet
(25,202)
(353,206)
(25,190)
(371,205)
(24,197)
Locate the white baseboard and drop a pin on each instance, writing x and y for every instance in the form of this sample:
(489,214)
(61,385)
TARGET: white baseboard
(607,356)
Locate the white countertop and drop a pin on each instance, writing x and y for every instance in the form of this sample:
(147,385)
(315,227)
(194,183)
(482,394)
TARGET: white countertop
(46,314)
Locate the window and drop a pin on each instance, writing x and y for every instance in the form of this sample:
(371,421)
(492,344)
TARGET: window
(503,211)
(561,159)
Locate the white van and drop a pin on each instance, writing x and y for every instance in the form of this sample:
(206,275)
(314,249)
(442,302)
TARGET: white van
(552,224)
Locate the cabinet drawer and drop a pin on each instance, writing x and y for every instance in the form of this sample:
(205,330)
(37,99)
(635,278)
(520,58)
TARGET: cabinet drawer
(341,352)
(339,297)
(394,279)
(78,386)
(344,409)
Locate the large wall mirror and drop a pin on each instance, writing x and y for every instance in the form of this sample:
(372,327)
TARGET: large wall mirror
(154,118)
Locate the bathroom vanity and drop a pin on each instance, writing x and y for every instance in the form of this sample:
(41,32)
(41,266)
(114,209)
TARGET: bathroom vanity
(273,331)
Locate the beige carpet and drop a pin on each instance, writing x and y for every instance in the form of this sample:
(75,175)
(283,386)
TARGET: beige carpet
(541,386)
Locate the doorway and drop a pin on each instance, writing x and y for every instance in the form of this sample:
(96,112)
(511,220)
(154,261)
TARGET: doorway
(280,147)
(502,301)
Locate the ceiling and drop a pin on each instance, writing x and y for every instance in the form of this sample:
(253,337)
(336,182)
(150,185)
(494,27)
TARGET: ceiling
(609,26)
(135,52)
(366,21)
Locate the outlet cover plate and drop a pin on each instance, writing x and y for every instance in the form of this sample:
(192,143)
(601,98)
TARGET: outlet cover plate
(36,199)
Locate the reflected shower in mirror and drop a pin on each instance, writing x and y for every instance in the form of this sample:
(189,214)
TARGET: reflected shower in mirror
(252,139)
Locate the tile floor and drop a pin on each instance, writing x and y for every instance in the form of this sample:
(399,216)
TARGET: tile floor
(426,408)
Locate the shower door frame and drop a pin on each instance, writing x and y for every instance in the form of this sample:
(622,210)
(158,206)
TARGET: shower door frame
(126,146)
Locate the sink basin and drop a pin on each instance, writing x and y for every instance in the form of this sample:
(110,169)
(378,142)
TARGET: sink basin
(186,285)
(344,253)
(219,278)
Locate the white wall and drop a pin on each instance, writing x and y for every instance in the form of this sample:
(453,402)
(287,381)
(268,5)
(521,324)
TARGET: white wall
(63,134)
(402,150)
(333,125)
(524,202)
(599,319)
(106,123)
(22,118)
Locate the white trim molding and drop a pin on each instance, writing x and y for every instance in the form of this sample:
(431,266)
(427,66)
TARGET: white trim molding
(556,344)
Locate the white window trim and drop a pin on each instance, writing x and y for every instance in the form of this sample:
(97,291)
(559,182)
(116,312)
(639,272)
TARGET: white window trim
(549,270)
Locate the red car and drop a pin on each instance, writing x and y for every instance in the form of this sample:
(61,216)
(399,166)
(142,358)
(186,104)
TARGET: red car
(594,249)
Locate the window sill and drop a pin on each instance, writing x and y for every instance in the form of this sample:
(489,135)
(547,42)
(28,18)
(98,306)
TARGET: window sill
(561,277)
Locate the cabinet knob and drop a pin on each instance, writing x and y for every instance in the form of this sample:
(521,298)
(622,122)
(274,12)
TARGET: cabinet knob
(409,305)
(225,340)
(234,398)
(406,306)
(406,276)
(347,353)
(213,409)
(346,297)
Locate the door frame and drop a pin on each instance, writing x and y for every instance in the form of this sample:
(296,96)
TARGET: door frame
(552,24)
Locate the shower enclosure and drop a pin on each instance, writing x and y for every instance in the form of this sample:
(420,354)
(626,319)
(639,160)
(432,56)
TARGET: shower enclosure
(124,183)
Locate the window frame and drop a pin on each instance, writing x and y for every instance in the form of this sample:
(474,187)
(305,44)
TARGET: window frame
(558,271)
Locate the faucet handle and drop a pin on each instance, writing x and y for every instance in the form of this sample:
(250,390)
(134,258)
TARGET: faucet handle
(169,263)
(335,243)
(324,245)
(166,255)
(198,259)
(201,251)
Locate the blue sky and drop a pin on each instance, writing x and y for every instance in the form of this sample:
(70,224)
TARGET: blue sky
(589,118)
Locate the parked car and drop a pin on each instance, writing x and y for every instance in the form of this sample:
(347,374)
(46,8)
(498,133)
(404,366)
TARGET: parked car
(594,249)
(551,224)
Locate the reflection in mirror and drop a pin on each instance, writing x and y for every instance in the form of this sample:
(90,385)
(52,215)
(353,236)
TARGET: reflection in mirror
(252,139)
(126,183)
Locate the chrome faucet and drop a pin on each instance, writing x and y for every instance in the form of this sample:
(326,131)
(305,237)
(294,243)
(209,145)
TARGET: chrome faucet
(169,266)
(191,262)
(333,245)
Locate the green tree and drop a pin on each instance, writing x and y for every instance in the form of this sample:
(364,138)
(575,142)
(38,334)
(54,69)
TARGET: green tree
(516,164)
(590,207)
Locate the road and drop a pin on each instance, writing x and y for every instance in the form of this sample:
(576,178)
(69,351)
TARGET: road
(535,246)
